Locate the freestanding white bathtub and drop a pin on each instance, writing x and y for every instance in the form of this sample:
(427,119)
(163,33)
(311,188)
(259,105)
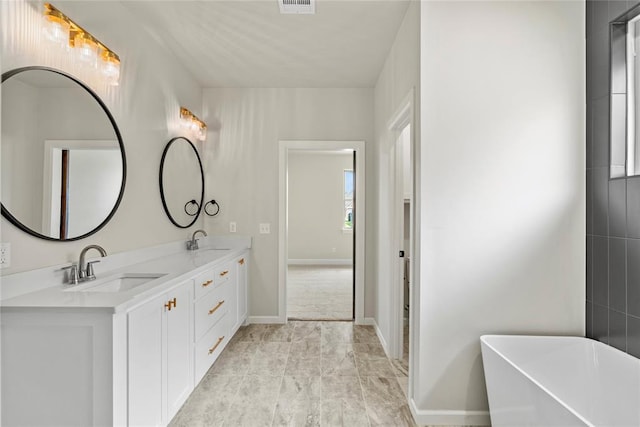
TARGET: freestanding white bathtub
(559,381)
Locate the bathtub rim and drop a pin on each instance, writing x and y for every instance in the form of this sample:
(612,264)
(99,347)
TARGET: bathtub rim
(484,342)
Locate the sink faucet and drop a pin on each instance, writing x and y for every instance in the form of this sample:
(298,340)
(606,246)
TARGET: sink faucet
(192,244)
(86,272)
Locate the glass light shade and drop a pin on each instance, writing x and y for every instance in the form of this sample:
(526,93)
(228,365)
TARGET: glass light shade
(56,31)
(86,50)
(110,68)
(202,133)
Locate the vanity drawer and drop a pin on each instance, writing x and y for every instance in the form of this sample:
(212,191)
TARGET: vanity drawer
(210,308)
(209,347)
(211,279)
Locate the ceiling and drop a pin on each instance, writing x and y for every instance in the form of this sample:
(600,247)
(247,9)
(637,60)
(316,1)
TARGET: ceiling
(250,44)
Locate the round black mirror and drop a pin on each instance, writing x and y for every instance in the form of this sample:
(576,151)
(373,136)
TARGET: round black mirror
(181,182)
(63,159)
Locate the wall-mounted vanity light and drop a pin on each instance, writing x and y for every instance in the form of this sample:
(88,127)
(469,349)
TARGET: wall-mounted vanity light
(86,50)
(193,123)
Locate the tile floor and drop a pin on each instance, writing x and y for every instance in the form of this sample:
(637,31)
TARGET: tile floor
(320,292)
(300,374)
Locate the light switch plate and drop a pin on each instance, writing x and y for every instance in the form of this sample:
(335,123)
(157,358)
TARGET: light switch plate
(265,228)
(232,227)
(5,255)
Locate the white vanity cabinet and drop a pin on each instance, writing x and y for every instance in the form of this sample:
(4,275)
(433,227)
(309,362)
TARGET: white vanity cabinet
(74,358)
(159,357)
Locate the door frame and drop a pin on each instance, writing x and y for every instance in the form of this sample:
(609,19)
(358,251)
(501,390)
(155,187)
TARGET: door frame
(404,115)
(359,225)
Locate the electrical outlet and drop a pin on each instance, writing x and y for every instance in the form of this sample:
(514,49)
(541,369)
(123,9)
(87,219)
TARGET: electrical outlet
(5,255)
(265,228)
(232,227)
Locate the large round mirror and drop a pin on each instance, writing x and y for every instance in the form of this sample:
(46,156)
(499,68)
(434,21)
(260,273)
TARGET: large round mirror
(63,160)
(181,182)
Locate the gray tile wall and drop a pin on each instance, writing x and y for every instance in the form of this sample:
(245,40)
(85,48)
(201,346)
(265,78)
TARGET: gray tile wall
(613,206)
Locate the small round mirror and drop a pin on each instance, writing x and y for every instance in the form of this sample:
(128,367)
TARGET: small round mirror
(63,160)
(181,182)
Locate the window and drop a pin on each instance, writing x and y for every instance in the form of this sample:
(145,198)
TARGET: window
(625,95)
(348,188)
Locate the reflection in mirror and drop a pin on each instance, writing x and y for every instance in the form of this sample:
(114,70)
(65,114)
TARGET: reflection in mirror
(63,161)
(181,182)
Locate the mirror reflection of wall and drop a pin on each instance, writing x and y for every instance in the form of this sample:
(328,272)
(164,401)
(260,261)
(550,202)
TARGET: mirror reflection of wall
(52,126)
(181,181)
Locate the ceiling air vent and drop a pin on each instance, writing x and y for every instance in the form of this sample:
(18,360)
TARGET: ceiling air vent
(297,6)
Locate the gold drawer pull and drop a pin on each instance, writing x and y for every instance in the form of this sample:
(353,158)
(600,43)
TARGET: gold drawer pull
(241,262)
(224,273)
(213,310)
(207,283)
(170,303)
(212,349)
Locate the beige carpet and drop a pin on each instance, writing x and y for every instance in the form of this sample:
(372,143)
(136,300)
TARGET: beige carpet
(320,292)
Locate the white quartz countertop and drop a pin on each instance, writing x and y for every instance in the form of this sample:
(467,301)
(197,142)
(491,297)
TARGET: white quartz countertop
(175,268)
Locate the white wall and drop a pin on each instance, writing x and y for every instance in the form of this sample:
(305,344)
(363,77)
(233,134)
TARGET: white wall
(241,162)
(316,206)
(146,107)
(502,198)
(399,76)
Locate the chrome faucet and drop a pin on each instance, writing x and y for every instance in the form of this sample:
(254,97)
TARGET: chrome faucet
(192,244)
(86,273)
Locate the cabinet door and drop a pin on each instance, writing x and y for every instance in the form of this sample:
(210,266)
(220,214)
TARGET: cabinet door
(145,363)
(241,277)
(179,342)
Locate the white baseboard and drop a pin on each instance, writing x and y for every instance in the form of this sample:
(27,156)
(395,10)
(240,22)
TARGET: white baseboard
(367,321)
(320,261)
(264,320)
(448,417)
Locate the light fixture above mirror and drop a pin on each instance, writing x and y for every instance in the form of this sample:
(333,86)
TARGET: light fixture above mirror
(193,124)
(86,50)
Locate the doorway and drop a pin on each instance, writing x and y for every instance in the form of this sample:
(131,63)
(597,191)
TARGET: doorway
(320,194)
(402,214)
(321,231)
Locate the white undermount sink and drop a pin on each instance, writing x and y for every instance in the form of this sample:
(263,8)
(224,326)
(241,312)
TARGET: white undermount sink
(120,283)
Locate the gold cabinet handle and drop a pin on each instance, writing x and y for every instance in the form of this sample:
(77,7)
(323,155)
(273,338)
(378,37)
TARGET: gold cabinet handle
(212,349)
(224,273)
(207,283)
(241,262)
(169,304)
(213,310)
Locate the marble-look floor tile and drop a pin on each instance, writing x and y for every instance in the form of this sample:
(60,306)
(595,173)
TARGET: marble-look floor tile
(295,388)
(253,332)
(304,413)
(255,401)
(386,403)
(283,333)
(404,384)
(343,412)
(232,364)
(305,349)
(201,410)
(303,332)
(339,366)
(327,374)
(362,333)
(303,367)
(369,350)
(375,368)
(400,367)
(337,349)
(341,388)
(269,364)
